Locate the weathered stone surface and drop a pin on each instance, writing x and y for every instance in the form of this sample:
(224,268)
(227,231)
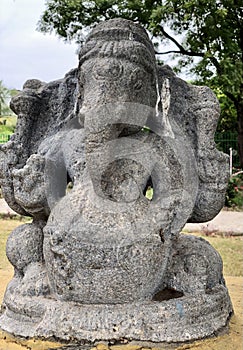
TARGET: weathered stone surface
(100,259)
(180,319)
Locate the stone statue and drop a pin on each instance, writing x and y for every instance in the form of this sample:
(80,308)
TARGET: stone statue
(100,260)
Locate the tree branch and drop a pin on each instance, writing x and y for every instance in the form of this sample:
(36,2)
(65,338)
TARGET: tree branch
(182,49)
(231,97)
(166,52)
(236,174)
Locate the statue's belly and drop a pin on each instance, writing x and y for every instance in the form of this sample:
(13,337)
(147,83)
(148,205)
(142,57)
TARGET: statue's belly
(105,260)
(106,273)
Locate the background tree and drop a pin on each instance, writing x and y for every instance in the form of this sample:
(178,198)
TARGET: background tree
(5,96)
(207,36)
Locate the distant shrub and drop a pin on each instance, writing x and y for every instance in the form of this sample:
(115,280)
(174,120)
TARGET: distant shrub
(234,194)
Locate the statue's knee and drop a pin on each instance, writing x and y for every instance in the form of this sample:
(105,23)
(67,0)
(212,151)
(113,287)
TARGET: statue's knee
(24,246)
(195,265)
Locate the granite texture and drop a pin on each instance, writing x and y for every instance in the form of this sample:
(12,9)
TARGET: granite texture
(100,259)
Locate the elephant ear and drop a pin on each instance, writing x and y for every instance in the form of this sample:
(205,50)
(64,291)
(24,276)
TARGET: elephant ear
(195,109)
(43,109)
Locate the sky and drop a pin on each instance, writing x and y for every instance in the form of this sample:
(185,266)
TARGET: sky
(26,53)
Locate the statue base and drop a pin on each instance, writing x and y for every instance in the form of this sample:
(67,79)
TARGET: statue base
(179,319)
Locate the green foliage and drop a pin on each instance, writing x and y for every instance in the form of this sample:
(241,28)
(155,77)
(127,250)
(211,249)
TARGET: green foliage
(149,193)
(228,115)
(5,96)
(68,18)
(234,195)
(7,125)
(210,31)
(224,141)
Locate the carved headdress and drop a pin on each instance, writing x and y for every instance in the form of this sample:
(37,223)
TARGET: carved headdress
(119,38)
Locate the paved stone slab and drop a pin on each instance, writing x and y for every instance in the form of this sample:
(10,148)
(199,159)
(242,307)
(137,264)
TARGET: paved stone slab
(229,222)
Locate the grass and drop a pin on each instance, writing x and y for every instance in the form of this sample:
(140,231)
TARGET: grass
(7,124)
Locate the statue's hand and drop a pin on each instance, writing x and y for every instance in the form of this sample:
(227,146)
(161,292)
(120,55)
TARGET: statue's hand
(30,185)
